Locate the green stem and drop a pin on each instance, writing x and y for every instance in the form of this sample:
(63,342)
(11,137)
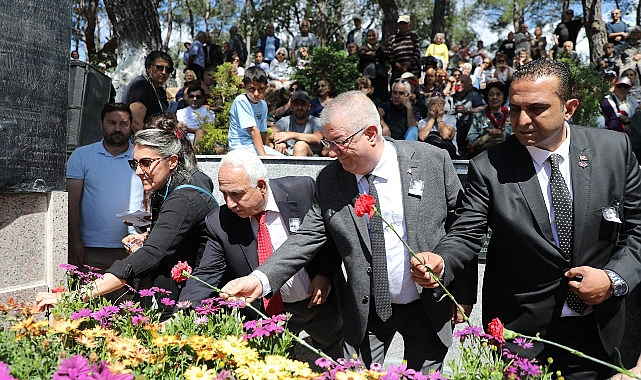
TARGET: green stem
(431,272)
(250,306)
(537,338)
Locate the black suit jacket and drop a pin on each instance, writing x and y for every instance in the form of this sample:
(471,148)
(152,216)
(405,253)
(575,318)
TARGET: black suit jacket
(524,281)
(231,249)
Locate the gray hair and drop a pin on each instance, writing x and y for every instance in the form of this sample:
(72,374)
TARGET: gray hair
(442,35)
(253,166)
(284,51)
(404,83)
(160,134)
(356,108)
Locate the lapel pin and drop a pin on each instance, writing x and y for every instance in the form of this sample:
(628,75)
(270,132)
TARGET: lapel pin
(409,171)
(583,164)
(583,157)
(294,224)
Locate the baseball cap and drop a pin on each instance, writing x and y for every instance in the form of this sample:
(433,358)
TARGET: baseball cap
(407,75)
(300,95)
(624,80)
(403,18)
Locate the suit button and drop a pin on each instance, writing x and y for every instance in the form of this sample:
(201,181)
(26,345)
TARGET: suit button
(369,270)
(365,299)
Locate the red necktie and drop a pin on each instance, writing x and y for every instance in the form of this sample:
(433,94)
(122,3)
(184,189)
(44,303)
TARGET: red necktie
(274,305)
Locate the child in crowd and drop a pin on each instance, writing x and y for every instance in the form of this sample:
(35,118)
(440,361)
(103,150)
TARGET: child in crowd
(258,61)
(248,115)
(607,64)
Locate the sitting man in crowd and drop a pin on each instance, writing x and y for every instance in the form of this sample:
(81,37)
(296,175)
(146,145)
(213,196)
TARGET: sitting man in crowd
(191,117)
(259,216)
(467,102)
(398,115)
(300,133)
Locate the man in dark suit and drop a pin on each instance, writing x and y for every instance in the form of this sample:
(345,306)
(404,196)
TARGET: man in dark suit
(544,253)
(418,189)
(232,249)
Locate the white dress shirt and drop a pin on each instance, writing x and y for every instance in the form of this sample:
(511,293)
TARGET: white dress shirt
(543,169)
(388,187)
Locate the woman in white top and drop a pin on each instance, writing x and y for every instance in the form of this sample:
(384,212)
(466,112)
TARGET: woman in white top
(279,70)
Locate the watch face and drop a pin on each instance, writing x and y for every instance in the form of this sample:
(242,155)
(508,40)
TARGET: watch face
(620,290)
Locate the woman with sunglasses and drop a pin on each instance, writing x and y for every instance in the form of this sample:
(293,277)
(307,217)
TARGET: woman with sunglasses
(279,70)
(145,94)
(179,202)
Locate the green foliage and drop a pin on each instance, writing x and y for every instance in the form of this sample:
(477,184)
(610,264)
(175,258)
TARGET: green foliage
(329,63)
(591,88)
(223,93)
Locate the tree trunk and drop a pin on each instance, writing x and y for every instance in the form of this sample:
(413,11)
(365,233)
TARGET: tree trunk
(438,18)
(137,28)
(517,14)
(594,28)
(190,11)
(390,15)
(91,9)
(170,24)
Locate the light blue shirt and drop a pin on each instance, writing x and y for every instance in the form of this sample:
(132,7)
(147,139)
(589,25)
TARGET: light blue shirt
(243,115)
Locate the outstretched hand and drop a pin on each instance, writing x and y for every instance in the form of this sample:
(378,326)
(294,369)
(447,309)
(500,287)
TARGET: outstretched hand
(46,299)
(248,287)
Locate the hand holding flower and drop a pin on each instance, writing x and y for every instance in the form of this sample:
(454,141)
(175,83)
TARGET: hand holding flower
(45,299)
(419,271)
(248,287)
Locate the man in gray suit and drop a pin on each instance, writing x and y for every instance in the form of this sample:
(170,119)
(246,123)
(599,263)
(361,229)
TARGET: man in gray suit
(561,269)
(418,189)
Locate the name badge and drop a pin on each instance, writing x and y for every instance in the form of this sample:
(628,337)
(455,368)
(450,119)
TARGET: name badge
(611,214)
(416,187)
(294,224)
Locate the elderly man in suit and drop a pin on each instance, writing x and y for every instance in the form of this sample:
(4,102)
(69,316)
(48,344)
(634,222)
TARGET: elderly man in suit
(259,213)
(417,189)
(564,206)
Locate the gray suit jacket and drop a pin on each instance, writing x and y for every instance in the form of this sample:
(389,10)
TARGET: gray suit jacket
(524,282)
(332,215)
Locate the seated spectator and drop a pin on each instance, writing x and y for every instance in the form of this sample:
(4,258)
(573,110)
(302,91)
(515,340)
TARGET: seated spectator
(521,58)
(398,115)
(351,48)
(439,50)
(467,102)
(438,127)
(323,95)
(429,84)
(191,117)
(619,106)
(372,62)
(539,42)
(442,76)
(285,108)
(607,62)
(236,64)
(364,85)
(635,91)
(629,52)
(258,61)
(189,78)
(279,70)
(248,116)
(448,83)
(568,52)
(492,125)
(300,133)
(483,74)
(504,71)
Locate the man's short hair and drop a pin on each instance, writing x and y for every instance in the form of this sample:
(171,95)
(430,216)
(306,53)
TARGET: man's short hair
(113,107)
(548,68)
(193,88)
(404,83)
(255,74)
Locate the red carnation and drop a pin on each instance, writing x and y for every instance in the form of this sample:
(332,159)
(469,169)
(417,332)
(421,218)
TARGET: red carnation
(59,289)
(178,269)
(365,204)
(495,328)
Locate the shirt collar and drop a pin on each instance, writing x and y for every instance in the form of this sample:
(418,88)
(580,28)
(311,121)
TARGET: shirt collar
(386,165)
(541,155)
(271,201)
(127,153)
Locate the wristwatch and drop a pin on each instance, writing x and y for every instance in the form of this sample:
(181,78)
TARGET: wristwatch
(619,286)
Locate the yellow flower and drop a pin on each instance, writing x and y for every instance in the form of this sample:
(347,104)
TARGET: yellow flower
(250,371)
(199,373)
(97,332)
(166,340)
(25,324)
(87,341)
(350,375)
(64,326)
(199,341)
(232,345)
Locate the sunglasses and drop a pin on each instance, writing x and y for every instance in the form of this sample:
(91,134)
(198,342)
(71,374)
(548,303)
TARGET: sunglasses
(167,69)
(143,162)
(197,97)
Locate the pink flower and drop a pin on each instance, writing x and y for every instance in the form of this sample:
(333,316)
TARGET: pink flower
(365,205)
(59,289)
(495,328)
(178,269)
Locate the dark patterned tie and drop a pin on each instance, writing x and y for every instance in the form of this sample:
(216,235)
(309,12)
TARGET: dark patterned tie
(274,305)
(379,258)
(562,204)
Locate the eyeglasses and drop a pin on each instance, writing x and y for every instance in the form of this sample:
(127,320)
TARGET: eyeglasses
(454,75)
(340,143)
(143,162)
(487,62)
(400,81)
(197,97)
(167,69)
(281,54)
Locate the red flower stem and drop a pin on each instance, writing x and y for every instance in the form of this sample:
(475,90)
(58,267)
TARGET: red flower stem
(250,306)
(579,354)
(431,272)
